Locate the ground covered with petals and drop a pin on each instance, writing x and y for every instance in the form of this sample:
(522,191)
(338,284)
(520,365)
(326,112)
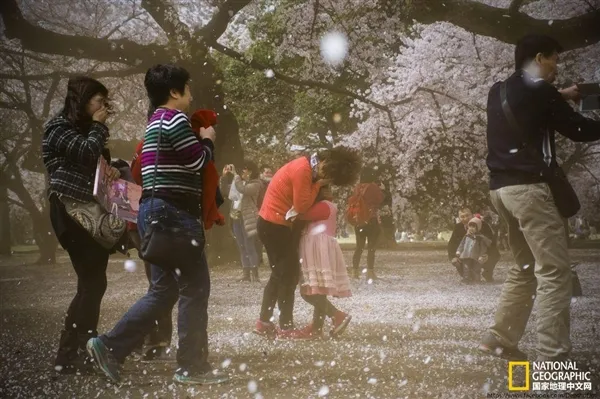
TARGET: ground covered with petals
(413,335)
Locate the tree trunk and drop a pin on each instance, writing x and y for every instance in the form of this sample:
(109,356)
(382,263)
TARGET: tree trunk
(5,239)
(208,93)
(44,237)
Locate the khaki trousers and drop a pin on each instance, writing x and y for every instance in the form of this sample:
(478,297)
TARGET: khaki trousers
(537,238)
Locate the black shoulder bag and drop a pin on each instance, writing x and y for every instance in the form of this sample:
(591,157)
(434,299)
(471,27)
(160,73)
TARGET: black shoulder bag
(165,243)
(564,195)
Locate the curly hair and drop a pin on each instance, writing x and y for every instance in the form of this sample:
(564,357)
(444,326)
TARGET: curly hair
(342,165)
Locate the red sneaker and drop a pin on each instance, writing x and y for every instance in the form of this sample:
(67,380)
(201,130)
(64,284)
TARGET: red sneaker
(292,334)
(265,329)
(340,323)
(311,333)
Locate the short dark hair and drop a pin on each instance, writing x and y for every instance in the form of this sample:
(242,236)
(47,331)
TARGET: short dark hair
(342,165)
(252,167)
(531,45)
(80,90)
(465,209)
(161,79)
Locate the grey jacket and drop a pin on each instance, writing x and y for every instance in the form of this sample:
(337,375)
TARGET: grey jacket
(250,191)
(473,247)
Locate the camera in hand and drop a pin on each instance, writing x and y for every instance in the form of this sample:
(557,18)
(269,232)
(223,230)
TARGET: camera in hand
(590,96)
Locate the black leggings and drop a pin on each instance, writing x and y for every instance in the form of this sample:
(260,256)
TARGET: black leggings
(323,308)
(369,234)
(281,245)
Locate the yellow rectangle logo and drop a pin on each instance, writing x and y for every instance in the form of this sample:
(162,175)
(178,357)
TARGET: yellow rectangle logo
(511,387)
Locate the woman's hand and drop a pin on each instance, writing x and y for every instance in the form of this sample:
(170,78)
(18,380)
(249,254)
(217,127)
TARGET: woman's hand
(101,115)
(208,133)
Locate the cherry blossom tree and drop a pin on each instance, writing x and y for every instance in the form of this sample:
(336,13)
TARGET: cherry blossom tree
(425,121)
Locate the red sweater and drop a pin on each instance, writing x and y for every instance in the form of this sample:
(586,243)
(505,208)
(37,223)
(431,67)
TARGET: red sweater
(291,186)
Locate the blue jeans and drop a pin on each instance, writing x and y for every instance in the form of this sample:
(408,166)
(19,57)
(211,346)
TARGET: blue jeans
(190,283)
(246,245)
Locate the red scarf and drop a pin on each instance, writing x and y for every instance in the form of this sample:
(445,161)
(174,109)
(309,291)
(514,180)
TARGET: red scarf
(210,178)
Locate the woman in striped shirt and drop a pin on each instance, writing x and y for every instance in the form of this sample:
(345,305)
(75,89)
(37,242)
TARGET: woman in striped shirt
(172,189)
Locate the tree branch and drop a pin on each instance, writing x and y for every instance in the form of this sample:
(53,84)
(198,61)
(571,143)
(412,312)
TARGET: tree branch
(21,53)
(17,203)
(479,18)
(165,15)
(133,16)
(37,39)
(296,82)
(121,73)
(219,22)
(314,20)
(50,96)
(515,6)
(590,173)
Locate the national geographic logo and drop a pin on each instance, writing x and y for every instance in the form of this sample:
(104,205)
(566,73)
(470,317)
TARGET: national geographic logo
(550,376)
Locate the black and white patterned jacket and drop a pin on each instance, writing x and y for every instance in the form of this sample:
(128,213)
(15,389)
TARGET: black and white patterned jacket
(71,157)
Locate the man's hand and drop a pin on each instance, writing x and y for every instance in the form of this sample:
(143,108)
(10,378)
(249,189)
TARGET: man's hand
(113,174)
(208,133)
(483,259)
(571,93)
(455,261)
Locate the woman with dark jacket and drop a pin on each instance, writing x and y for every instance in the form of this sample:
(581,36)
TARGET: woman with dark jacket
(243,220)
(73,142)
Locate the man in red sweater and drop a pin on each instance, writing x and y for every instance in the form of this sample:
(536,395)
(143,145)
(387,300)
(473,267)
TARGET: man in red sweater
(369,232)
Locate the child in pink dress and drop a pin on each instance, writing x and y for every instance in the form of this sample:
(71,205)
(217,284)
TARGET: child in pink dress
(323,269)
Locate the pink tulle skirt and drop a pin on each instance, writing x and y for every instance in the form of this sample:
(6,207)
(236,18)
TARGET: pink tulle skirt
(323,267)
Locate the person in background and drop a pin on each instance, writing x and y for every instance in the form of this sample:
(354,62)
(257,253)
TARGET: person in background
(471,250)
(73,142)
(460,229)
(172,189)
(520,156)
(367,231)
(244,219)
(266,175)
(295,185)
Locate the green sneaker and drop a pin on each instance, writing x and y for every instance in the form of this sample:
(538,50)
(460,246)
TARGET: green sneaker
(208,378)
(103,359)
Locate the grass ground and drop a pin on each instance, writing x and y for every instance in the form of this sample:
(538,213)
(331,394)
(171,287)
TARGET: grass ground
(412,336)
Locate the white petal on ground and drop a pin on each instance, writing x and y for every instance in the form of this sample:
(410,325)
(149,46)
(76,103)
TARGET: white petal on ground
(252,386)
(324,391)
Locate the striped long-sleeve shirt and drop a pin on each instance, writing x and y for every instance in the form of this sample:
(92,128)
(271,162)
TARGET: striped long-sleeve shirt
(180,160)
